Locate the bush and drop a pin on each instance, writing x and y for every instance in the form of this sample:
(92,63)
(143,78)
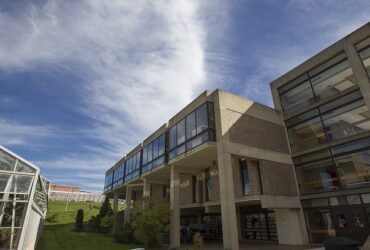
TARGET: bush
(79,225)
(149,221)
(124,234)
(95,222)
(51,218)
(106,223)
(197,241)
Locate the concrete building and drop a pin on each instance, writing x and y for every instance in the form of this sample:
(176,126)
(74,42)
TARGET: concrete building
(295,174)
(325,104)
(23,201)
(222,162)
(73,193)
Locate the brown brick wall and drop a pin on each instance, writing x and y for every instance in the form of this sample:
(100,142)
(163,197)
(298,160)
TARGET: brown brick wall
(251,131)
(277,178)
(65,188)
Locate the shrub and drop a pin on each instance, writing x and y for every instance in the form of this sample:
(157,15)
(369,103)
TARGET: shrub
(94,223)
(105,208)
(197,241)
(149,221)
(51,218)
(124,234)
(106,223)
(79,225)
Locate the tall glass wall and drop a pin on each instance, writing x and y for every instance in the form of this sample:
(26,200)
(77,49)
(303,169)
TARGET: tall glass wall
(195,129)
(16,181)
(154,154)
(340,167)
(133,167)
(343,117)
(327,80)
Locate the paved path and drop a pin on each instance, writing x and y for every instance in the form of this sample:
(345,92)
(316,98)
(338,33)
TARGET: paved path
(249,245)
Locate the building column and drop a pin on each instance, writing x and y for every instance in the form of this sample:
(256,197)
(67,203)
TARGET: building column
(230,233)
(175,209)
(358,70)
(128,205)
(115,211)
(146,188)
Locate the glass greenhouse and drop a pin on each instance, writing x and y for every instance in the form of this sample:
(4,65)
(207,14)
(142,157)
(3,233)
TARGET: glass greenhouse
(23,201)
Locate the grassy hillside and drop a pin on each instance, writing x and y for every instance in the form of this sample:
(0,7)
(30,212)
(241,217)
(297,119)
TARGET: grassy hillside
(59,232)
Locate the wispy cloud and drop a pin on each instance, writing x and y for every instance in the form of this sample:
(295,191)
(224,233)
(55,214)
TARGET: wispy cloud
(140,62)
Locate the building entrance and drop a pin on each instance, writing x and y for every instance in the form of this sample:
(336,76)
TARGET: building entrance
(259,225)
(351,222)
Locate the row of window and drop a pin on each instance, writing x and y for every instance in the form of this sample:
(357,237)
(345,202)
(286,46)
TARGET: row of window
(327,80)
(341,167)
(333,121)
(192,131)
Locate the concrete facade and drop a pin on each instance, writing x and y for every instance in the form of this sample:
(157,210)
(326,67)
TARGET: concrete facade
(204,185)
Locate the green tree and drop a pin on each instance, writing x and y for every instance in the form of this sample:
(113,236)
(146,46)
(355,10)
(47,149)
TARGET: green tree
(149,220)
(79,224)
(105,208)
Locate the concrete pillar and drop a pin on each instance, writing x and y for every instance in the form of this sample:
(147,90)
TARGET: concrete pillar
(290,227)
(175,209)
(115,211)
(227,198)
(146,188)
(359,71)
(128,205)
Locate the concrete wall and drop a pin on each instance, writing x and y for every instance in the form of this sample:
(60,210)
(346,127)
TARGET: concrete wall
(186,189)
(277,178)
(255,132)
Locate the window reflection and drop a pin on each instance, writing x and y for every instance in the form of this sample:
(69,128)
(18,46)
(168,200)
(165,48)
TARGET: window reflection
(319,176)
(354,169)
(307,135)
(297,98)
(153,154)
(319,224)
(333,80)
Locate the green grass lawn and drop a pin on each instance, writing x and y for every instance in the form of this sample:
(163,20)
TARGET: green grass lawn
(60,233)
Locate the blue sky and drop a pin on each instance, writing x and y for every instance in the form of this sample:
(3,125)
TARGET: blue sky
(83,82)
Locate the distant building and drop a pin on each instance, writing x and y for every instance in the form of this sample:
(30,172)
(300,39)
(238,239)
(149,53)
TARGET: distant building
(23,201)
(73,193)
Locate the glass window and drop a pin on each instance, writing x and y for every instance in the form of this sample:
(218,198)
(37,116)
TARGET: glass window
(351,146)
(302,117)
(4,178)
(21,184)
(319,224)
(208,185)
(202,119)
(346,121)
(353,199)
(190,126)
(161,145)
(172,137)
(311,157)
(245,177)
(197,141)
(315,203)
(337,201)
(318,176)
(155,148)
(145,155)
(365,56)
(297,98)
(180,132)
(333,80)
(150,152)
(7,161)
(307,135)
(211,115)
(365,198)
(354,169)
(23,167)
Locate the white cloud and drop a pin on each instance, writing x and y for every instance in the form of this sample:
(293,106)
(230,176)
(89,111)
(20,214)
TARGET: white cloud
(140,62)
